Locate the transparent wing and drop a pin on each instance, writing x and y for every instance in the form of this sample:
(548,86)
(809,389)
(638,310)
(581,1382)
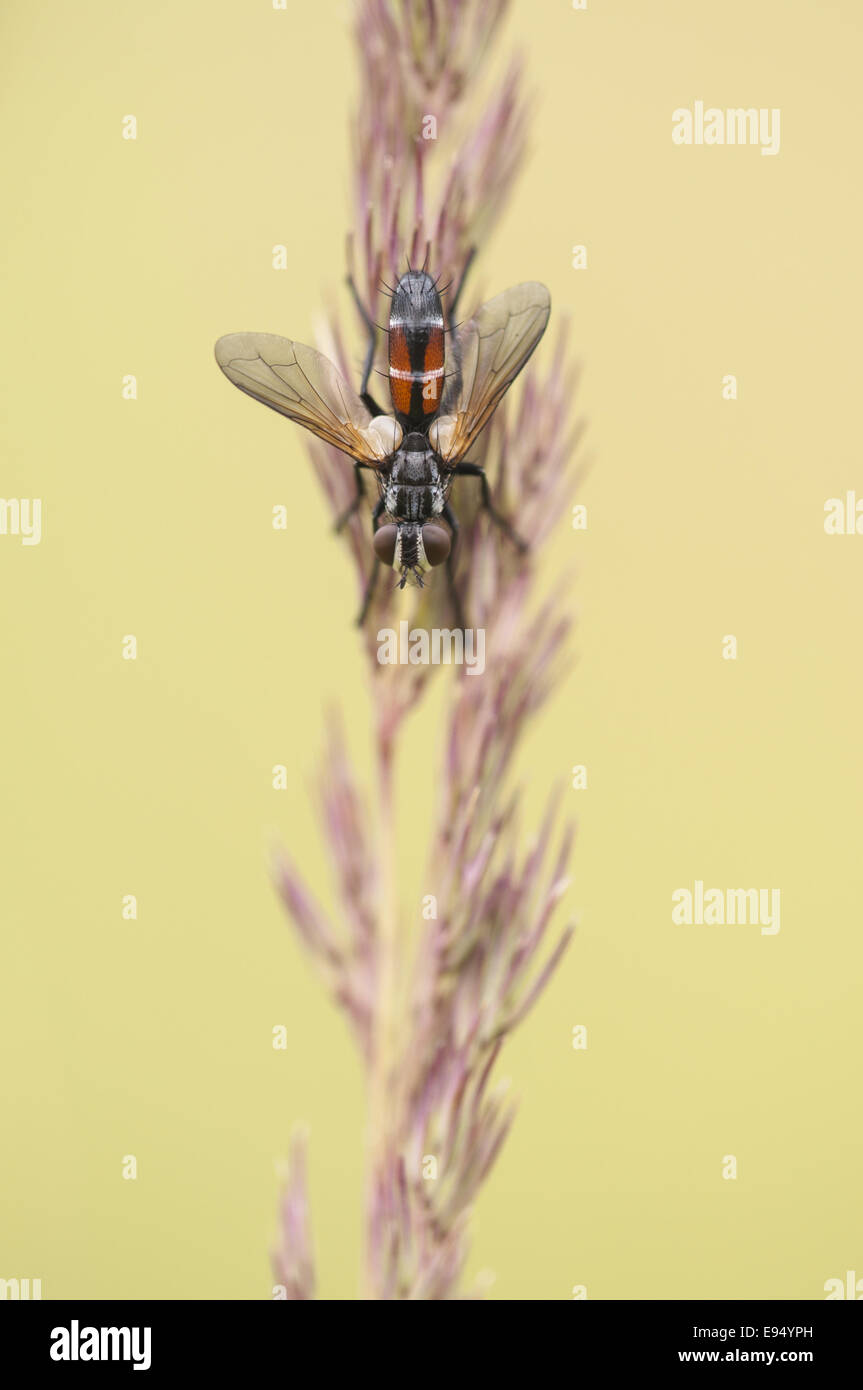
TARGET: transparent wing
(304,385)
(492,349)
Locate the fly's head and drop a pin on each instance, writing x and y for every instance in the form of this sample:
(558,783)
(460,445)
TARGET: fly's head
(411,549)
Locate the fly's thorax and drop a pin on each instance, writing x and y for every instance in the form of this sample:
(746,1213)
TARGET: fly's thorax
(414,463)
(411,502)
(414,489)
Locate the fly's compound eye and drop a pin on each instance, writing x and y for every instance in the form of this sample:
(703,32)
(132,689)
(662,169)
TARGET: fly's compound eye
(385,543)
(436,544)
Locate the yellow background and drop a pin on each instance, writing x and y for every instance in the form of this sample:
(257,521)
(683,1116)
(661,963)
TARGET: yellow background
(153,777)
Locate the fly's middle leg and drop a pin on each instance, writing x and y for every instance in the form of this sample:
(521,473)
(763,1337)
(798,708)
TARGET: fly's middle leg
(473,470)
(349,511)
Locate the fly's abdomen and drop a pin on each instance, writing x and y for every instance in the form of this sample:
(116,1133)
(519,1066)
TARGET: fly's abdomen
(416,348)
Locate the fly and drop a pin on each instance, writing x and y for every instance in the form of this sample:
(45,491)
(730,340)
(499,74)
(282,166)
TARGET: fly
(438,412)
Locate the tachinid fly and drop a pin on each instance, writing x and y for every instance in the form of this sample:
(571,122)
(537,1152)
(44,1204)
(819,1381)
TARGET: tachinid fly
(442,399)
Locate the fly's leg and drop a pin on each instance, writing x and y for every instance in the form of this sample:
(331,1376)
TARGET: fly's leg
(473,470)
(342,521)
(452,380)
(453,304)
(373,577)
(369,593)
(368,400)
(451,519)
(346,515)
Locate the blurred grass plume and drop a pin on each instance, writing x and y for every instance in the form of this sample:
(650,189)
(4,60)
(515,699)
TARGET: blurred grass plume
(430,1016)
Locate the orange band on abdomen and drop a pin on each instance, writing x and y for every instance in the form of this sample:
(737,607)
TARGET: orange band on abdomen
(433,371)
(400,370)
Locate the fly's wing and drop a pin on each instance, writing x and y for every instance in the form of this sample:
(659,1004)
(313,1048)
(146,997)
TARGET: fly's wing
(304,385)
(492,348)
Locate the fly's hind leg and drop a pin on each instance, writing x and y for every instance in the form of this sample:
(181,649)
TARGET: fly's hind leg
(453,304)
(368,400)
(473,470)
(451,386)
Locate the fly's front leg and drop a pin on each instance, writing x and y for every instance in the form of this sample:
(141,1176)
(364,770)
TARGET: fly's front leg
(369,593)
(451,519)
(473,470)
(368,401)
(373,577)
